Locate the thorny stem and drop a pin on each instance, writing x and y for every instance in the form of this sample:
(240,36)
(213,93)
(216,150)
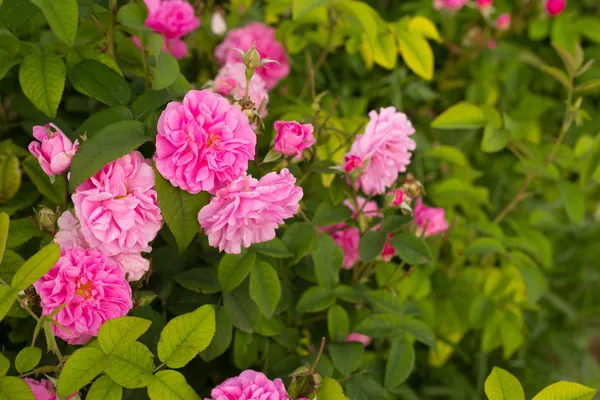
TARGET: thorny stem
(45,368)
(24,306)
(516,200)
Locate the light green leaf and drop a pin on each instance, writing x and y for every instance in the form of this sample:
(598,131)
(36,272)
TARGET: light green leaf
(119,332)
(384,52)
(371,244)
(4,365)
(234,268)
(265,288)
(566,391)
(79,370)
(494,139)
(411,249)
(4,226)
(36,267)
(448,153)
(301,7)
(12,388)
(244,313)
(425,27)
(42,79)
(61,16)
(101,82)
(417,53)
(384,301)
(7,298)
(11,177)
(299,239)
(112,142)
(131,367)
(364,14)
(314,299)
(401,361)
(338,323)
(27,359)
(105,388)
(185,336)
(273,248)
(166,72)
(98,120)
(330,389)
(460,116)
(573,200)
(593,85)
(535,283)
(132,16)
(589,26)
(346,357)
(180,210)
(170,385)
(55,192)
(327,257)
(486,245)
(501,385)
(223,336)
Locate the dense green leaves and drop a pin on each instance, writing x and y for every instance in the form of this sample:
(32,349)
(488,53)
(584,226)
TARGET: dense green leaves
(482,246)
(299,239)
(327,257)
(61,16)
(244,313)
(170,385)
(81,367)
(42,79)
(53,191)
(234,268)
(346,357)
(265,288)
(400,363)
(411,249)
(315,299)
(36,267)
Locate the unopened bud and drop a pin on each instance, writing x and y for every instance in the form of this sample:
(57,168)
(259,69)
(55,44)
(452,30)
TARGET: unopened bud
(46,219)
(412,187)
(252,58)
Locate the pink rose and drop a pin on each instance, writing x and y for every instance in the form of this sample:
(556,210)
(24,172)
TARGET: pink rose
(171,18)
(43,389)
(203,143)
(385,149)
(503,22)
(429,220)
(484,4)
(231,81)
(450,5)
(352,162)
(249,210)
(360,338)
(398,198)
(555,7)
(491,44)
(250,385)
(176,47)
(92,290)
(264,38)
(293,137)
(117,206)
(56,149)
(134,265)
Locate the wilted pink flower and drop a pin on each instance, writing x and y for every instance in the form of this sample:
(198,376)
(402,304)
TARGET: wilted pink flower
(250,385)
(429,220)
(249,210)
(231,81)
(268,47)
(384,149)
(555,7)
(42,389)
(450,5)
(484,4)
(397,196)
(69,234)
(503,22)
(360,338)
(203,143)
(92,290)
(134,265)
(293,137)
(352,162)
(117,206)
(171,18)
(176,47)
(56,149)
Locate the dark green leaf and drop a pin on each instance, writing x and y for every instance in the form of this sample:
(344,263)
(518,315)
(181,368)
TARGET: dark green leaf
(43,81)
(315,299)
(401,361)
(166,72)
(273,248)
(199,280)
(338,323)
(482,246)
(371,244)
(299,239)
(55,192)
(265,288)
(411,249)
(234,268)
(149,101)
(223,336)
(245,350)
(346,357)
(328,214)
(244,313)
(573,200)
(61,16)
(97,121)
(101,82)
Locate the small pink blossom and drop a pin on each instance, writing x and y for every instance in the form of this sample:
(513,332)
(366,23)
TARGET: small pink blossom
(117,207)
(293,137)
(385,149)
(352,162)
(231,81)
(429,220)
(484,4)
(360,338)
(555,7)
(171,18)
(203,143)
(249,210)
(92,290)
(503,22)
(450,5)
(56,149)
(250,385)
(264,38)
(398,197)
(388,250)
(491,44)
(134,265)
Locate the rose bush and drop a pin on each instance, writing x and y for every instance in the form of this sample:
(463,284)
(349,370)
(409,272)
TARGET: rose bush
(294,200)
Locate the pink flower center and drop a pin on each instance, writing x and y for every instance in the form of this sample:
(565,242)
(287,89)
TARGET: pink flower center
(213,140)
(84,290)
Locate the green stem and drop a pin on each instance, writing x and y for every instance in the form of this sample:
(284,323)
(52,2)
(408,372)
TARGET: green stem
(110,29)
(45,368)
(159,367)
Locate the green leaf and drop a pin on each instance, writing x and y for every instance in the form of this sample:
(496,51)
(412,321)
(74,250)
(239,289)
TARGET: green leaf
(11,177)
(417,53)
(27,359)
(371,244)
(170,385)
(132,16)
(380,325)
(557,74)
(301,7)
(566,391)
(486,245)
(166,72)
(245,350)
(97,121)
(535,283)
(185,336)
(234,268)
(149,101)
(42,79)
(384,301)
(501,385)
(105,388)
(273,248)
(12,388)
(315,299)
(411,249)
(4,227)
(265,288)
(131,367)
(424,27)
(589,26)
(338,323)
(55,192)
(112,142)
(61,16)
(384,50)
(591,86)
(330,389)
(446,153)
(419,329)
(401,362)
(223,336)
(494,139)
(327,214)
(180,210)
(460,116)
(81,367)
(244,313)
(101,82)
(573,200)
(199,280)
(346,357)
(119,332)
(299,239)
(363,388)
(36,267)
(327,257)
(4,365)
(21,230)
(7,298)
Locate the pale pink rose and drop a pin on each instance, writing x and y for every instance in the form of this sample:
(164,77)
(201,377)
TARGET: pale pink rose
(249,210)
(359,338)
(117,206)
(250,385)
(264,38)
(218,25)
(231,81)
(450,5)
(56,149)
(134,265)
(69,234)
(92,290)
(171,18)
(555,7)
(176,47)
(352,162)
(503,22)
(385,149)
(369,209)
(429,220)
(484,4)
(293,137)
(203,143)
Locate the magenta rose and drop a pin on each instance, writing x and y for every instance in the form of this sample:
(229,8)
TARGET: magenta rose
(293,137)
(555,7)
(176,47)
(55,151)
(91,287)
(263,37)
(250,385)
(484,4)
(503,22)
(429,220)
(171,18)
(231,81)
(249,210)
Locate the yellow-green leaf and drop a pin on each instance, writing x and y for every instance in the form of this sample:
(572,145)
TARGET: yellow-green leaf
(417,53)
(501,385)
(36,267)
(566,391)
(42,79)
(460,116)
(425,27)
(385,50)
(4,224)
(10,177)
